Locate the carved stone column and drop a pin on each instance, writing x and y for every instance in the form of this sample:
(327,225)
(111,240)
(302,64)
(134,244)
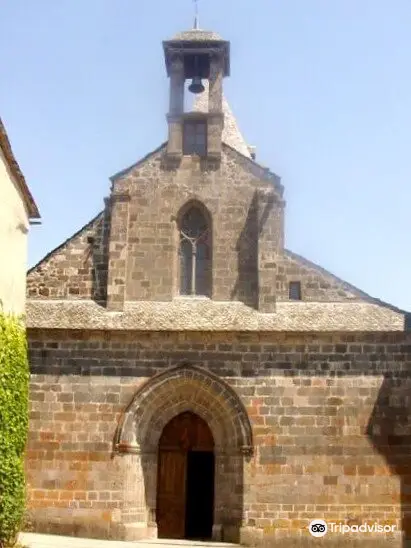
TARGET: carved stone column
(220,493)
(140,480)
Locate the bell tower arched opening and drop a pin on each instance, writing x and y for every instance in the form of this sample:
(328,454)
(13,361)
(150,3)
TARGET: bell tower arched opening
(185,479)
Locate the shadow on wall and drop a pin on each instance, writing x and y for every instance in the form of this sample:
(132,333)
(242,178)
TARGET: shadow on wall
(389,430)
(99,258)
(246,287)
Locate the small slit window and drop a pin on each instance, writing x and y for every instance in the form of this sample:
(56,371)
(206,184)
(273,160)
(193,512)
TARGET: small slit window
(195,138)
(294,291)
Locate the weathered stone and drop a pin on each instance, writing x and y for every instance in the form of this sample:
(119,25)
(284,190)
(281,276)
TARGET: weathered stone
(292,454)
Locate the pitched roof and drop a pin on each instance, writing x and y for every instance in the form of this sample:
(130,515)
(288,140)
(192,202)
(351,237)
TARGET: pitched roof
(205,315)
(231,133)
(14,167)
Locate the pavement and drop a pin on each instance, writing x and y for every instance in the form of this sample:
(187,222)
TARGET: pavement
(35,540)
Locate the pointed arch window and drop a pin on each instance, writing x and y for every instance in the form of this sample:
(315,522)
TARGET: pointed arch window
(195,253)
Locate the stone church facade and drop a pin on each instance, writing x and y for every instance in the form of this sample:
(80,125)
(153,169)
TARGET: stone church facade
(191,377)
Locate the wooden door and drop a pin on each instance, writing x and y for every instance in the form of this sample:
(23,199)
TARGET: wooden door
(186,432)
(171,494)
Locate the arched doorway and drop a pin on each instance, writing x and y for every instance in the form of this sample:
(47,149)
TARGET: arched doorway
(163,397)
(185,484)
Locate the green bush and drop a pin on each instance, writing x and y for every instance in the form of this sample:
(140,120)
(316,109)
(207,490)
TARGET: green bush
(14,386)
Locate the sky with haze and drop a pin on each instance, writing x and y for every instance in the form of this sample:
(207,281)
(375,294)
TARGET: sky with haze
(321,88)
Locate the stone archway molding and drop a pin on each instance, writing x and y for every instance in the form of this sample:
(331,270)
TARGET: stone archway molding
(179,389)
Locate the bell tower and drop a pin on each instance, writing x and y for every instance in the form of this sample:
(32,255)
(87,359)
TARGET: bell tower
(196,55)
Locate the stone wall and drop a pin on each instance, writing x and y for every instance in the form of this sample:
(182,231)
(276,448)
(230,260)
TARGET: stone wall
(247,213)
(77,269)
(330,416)
(316,283)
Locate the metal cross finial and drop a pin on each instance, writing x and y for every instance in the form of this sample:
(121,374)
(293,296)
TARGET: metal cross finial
(196,15)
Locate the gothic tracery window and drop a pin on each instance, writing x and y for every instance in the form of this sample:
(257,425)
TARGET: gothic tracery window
(195,253)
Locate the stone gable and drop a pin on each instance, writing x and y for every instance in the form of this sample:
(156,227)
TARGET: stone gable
(229,194)
(79,268)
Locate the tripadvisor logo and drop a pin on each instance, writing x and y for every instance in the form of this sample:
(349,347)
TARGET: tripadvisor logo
(318,528)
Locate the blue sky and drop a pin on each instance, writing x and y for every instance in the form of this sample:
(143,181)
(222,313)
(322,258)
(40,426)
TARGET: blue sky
(321,88)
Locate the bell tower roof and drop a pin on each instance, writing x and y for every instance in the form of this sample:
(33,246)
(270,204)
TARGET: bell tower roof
(197,42)
(197,35)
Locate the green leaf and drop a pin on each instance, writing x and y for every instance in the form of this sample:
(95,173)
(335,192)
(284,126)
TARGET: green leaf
(14,390)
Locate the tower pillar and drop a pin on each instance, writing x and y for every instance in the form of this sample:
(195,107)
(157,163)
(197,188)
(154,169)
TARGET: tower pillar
(215,107)
(176,108)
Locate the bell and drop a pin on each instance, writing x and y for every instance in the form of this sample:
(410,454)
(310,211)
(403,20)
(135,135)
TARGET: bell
(196,85)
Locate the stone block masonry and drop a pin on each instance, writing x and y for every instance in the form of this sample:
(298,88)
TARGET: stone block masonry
(128,252)
(330,417)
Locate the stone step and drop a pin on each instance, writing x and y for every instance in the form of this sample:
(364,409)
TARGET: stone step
(36,540)
(166,543)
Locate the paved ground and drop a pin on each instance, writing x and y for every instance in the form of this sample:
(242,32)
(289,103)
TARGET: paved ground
(33,540)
